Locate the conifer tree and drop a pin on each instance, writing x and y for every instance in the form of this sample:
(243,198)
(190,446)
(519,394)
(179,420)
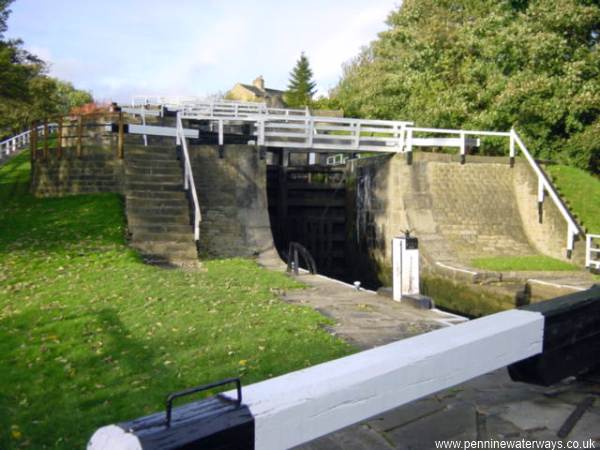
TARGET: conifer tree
(301,87)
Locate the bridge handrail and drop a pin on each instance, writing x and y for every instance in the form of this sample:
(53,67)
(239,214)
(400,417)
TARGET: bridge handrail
(188,176)
(544,184)
(590,261)
(19,141)
(297,128)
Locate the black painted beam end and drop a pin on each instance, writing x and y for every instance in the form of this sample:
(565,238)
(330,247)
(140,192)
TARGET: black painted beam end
(571,339)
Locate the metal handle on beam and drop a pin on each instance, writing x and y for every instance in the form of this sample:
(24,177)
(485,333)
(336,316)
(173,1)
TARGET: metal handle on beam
(206,387)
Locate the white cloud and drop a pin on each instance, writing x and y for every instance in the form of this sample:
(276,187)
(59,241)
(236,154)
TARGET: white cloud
(198,47)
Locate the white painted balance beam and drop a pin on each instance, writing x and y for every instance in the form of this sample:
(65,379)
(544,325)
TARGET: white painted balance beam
(301,406)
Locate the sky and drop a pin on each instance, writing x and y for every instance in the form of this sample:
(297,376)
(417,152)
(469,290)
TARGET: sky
(120,48)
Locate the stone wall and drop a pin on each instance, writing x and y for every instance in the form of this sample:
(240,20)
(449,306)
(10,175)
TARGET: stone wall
(98,170)
(458,212)
(233,200)
(550,236)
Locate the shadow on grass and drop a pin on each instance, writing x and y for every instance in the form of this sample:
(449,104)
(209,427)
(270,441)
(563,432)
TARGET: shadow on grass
(63,377)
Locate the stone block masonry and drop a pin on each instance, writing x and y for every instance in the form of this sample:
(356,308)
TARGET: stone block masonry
(233,200)
(459,212)
(98,170)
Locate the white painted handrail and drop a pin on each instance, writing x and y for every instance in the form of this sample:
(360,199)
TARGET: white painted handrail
(592,252)
(296,128)
(188,176)
(21,140)
(544,185)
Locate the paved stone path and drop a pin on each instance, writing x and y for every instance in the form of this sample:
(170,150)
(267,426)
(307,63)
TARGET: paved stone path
(485,408)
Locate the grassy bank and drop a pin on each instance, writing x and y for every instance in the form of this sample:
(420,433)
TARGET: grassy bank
(89,335)
(581,190)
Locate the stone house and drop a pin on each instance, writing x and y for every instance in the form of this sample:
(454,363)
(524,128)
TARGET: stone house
(257,92)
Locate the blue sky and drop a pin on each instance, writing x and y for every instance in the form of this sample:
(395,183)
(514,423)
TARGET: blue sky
(182,47)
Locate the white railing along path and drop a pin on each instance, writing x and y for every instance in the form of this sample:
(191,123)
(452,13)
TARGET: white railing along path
(592,251)
(297,129)
(13,144)
(188,177)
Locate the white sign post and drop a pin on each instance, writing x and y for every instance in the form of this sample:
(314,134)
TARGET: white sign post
(405,266)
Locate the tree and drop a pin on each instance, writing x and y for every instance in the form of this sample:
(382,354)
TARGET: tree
(487,65)
(301,87)
(26,91)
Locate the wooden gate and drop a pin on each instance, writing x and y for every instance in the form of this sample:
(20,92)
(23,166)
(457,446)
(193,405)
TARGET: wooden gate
(307,204)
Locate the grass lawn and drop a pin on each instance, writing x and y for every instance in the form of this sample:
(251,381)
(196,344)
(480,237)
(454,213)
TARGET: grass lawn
(89,335)
(521,263)
(582,191)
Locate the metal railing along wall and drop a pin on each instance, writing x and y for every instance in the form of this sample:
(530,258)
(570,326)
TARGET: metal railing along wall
(515,144)
(592,251)
(188,177)
(22,140)
(297,129)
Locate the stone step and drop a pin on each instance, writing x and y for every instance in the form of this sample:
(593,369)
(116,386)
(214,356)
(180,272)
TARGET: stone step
(149,164)
(175,177)
(156,157)
(159,208)
(139,236)
(174,196)
(140,220)
(162,248)
(153,187)
(161,228)
(183,254)
(154,171)
(168,263)
(168,203)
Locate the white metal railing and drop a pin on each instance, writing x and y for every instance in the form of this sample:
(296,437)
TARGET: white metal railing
(278,127)
(188,176)
(332,133)
(592,251)
(21,140)
(462,141)
(544,185)
(296,128)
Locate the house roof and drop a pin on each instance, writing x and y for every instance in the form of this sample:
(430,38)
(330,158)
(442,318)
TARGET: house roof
(259,93)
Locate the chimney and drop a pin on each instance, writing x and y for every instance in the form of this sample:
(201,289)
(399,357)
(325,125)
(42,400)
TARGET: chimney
(259,83)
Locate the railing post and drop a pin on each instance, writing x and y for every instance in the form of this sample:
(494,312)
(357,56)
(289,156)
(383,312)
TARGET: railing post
(261,132)
(570,241)
(59,138)
(409,154)
(463,148)
(221,138)
(588,250)
(121,138)
(79,135)
(540,199)
(145,136)
(512,147)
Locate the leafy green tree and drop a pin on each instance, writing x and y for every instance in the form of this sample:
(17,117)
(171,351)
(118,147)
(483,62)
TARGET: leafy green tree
(69,97)
(491,65)
(26,91)
(301,87)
